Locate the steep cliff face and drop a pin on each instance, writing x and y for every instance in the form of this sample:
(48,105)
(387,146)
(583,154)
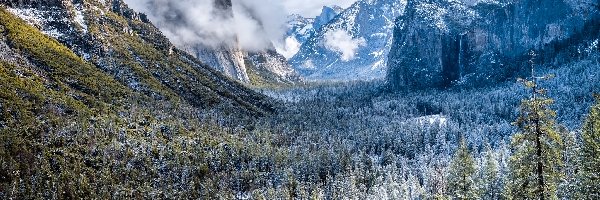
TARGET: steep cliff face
(327,14)
(232,60)
(444,43)
(240,65)
(226,59)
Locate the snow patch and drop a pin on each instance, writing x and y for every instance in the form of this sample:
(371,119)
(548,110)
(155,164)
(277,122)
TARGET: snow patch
(87,56)
(28,14)
(79,18)
(432,12)
(432,119)
(54,33)
(378,54)
(34,17)
(308,64)
(378,64)
(593,46)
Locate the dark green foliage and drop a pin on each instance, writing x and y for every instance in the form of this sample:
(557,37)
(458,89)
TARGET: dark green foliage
(536,161)
(68,130)
(461,184)
(60,63)
(589,174)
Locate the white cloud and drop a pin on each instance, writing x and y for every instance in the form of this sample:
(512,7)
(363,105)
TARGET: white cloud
(253,24)
(289,48)
(341,42)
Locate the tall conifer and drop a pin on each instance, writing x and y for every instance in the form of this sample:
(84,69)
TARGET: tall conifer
(535,163)
(460,179)
(589,174)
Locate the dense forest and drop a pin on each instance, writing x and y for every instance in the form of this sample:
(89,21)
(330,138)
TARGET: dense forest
(357,141)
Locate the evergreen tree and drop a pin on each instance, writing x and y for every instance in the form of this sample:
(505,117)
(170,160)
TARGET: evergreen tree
(488,175)
(460,179)
(535,163)
(589,174)
(568,186)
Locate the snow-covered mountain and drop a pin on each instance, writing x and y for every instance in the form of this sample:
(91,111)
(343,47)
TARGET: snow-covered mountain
(301,28)
(353,46)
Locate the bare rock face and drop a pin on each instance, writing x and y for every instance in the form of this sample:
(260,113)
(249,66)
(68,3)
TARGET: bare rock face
(223,5)
(226,59)
(446,43)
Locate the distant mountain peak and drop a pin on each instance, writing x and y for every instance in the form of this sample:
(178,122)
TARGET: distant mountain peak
(301,28)
(327,14)
(362,34)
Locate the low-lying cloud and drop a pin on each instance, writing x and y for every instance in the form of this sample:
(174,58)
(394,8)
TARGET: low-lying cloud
(252,24)
(289,47)
(341,42)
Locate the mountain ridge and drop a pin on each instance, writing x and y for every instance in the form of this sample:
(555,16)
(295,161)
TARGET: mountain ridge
(122,43)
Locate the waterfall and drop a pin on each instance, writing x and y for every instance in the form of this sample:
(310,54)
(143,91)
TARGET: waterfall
(460,57)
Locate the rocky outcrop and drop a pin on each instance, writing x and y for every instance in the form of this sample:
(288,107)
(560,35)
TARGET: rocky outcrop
(445,43)
(269,68)
(228,60)
(327,14)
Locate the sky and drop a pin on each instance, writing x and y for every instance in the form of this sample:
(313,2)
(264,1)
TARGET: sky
(312,8)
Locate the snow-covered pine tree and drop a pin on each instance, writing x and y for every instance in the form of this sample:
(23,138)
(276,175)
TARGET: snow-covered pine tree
(489,183)
(460,178)
(589,174)
(568,186)
(535,163)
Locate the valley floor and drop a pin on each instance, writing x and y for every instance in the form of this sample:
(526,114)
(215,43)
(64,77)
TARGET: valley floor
(363,141)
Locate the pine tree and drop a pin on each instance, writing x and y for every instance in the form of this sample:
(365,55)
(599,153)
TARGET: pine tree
(460,179)
(488,182)
(535,163)
(568,186)
(589,174)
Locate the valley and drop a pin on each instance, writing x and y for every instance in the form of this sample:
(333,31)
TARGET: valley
(432,101)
